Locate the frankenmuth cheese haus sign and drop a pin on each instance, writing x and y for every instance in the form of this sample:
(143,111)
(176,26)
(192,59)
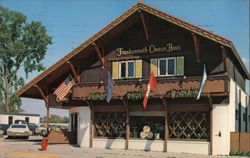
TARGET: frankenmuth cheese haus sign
(169,47)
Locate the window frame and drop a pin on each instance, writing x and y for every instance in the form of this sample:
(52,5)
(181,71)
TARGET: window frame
(126,64)
(166,59)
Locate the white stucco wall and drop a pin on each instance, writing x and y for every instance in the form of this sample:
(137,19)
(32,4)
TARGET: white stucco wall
(83,125)
(4,119)
(196,147)
(224,120)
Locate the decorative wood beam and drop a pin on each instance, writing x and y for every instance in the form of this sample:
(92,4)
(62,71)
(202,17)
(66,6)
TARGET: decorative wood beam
(45,98)
(211,122)
(197,47)
(164,102)
(99,54)
(144,24)
(127,122)
(224,58)
(76,76)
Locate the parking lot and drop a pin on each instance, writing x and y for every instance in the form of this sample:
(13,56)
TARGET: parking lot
(21,148)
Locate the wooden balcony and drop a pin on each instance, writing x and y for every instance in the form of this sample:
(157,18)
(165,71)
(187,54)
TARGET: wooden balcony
(215,85)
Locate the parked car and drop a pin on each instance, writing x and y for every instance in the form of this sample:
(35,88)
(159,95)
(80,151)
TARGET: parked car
(20,122)
(32,127)
(4,127)
(19,130)
(41,129)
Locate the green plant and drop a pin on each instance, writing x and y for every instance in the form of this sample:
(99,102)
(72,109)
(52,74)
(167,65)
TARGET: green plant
(135,95)
(97,96)
(180,93)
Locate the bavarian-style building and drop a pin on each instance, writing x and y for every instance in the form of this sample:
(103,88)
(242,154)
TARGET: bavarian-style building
(141,41)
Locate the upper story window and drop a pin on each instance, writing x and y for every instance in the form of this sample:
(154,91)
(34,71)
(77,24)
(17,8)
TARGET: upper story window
(172,66)
(167,67)
(127,69)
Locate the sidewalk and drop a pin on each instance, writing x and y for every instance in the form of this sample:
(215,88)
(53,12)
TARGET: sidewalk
(24,148)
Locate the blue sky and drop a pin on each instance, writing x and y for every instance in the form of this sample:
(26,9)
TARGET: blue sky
(71,22)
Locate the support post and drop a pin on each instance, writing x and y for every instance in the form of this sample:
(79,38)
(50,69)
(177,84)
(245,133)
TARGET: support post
(144,24)
(197,47)
(164,102)
(47,107)
(127,123)
(224,56)
(45,98)
(211,123)
(99,54)
(76,76)
(91,107)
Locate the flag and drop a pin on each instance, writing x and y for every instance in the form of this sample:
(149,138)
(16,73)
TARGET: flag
(202,83)
(151,85)
(109,87)
(63,89)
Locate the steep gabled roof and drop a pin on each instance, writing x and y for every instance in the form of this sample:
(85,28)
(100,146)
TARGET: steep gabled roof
(143,7)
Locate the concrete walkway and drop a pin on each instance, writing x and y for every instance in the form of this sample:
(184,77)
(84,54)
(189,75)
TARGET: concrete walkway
(11,148)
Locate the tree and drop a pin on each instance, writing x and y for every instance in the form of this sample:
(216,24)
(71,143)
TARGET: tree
(23,45)
(56,119)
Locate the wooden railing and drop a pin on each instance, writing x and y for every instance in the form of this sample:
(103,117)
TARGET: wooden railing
(214,85)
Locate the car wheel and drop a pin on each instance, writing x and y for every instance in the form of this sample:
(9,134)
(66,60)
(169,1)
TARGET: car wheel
(10,137)
(43,133)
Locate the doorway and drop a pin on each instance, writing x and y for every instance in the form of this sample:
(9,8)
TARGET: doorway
(74,126)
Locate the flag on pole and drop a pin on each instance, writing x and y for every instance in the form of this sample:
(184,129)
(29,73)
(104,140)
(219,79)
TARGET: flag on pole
(202,83)
(151,85)
(63,89)
(109,87)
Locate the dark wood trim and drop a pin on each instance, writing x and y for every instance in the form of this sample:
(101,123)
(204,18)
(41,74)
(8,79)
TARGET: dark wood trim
(76,76)
(109,108)
(125,104)
(99,54)
(47,108)
(211,123)
(45,98)
(91,128)
(224,57)
(164,102)
(197,47)
(246,114)
(144,24)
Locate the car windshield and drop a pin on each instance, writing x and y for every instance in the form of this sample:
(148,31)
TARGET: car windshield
(18,126)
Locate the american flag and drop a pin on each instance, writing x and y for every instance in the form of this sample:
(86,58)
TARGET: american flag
(63,89)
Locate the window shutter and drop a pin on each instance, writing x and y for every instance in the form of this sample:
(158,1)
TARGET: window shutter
(180,66)
(153,66)
(115,70)
(138,66)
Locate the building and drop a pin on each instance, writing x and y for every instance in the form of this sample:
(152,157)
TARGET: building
(140,41)
(9,118)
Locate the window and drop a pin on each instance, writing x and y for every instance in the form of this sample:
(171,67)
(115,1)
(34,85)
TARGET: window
(147,127)
(110,124)
(127,69)
(189,125)
(27,119)
(167,66)
(244,117)
(10,120)
(237,114)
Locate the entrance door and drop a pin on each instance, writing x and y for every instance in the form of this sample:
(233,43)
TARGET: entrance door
(74,126)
